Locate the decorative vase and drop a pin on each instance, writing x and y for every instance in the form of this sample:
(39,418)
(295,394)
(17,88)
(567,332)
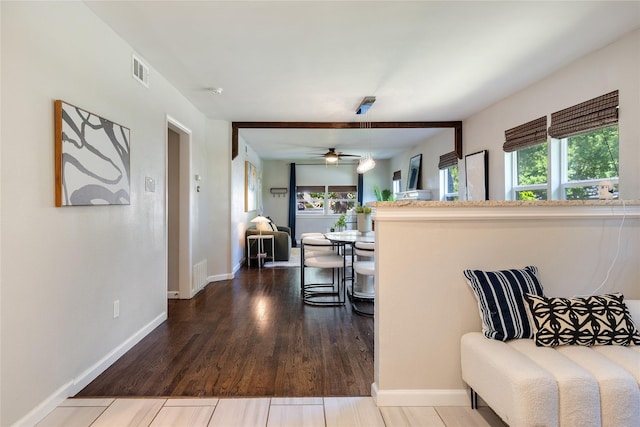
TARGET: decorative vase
(364,222)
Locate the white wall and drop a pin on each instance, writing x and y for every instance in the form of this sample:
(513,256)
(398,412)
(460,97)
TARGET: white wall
(212,235)
(241,220)
(276,174)
(616,66)
(381,176)
(62,268)
(431,150)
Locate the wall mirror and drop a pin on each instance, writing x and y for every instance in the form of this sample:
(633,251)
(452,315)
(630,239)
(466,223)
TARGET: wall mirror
(415,173)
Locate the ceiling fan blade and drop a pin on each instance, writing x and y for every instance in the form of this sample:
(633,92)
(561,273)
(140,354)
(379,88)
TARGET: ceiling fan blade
(349,155)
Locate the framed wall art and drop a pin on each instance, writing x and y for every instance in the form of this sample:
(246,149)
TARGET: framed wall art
(92,158)
(415,173)
(476,166)
(250,187)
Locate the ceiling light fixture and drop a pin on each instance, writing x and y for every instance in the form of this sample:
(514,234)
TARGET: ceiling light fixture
(331,158)
(367,163)
(366,103)
(215,90)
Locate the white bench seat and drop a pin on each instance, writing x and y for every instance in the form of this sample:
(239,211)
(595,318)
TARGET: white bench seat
(564,386)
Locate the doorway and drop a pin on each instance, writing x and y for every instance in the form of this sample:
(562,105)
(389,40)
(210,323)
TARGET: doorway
(178,152)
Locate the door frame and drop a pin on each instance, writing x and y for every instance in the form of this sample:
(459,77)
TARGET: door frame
(184,239)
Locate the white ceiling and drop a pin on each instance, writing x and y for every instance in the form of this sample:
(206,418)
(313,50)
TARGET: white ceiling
(315,60)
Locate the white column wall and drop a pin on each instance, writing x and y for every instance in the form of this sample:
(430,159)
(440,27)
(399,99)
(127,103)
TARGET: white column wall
(63,268)
(424,304)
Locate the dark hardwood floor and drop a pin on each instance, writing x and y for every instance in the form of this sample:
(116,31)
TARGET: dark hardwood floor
(250,336)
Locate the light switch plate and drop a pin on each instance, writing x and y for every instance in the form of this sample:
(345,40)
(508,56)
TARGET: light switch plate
(149,184)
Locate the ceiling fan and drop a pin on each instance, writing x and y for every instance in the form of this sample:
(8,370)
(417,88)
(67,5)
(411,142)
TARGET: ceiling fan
(332,156)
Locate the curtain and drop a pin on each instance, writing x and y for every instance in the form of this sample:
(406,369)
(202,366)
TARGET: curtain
(293,206)
(360,192)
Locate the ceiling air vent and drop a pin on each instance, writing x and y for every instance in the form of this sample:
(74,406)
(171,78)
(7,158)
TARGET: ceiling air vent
(140,71)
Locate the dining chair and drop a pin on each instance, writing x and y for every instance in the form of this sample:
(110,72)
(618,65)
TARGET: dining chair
(363,283)
(320,253)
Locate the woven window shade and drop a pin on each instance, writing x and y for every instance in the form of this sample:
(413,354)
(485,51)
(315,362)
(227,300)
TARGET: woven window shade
(310,189)
(397,175)
(342,188)
(526,135)
(593,114)
(448,160)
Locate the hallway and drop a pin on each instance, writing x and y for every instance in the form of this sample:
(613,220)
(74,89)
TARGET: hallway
(251,336)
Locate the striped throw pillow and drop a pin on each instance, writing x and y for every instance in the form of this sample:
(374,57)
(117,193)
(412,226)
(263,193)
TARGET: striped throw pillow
(501,303)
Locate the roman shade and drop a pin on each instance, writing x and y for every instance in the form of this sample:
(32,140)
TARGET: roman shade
(342,188)
(448,160)
(397,175)
(525,135)
(593,114)
(310,189)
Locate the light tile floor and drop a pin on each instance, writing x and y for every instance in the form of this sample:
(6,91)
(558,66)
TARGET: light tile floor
(257,412)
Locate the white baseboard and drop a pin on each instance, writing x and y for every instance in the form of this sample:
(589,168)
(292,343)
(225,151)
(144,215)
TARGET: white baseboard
(81,381)
(426,397)
(220,277)
(239,265)
(173,295)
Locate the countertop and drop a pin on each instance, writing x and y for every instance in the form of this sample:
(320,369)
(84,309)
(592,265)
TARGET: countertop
(502,203)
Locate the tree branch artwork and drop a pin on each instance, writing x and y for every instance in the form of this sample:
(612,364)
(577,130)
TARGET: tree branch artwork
(92,158)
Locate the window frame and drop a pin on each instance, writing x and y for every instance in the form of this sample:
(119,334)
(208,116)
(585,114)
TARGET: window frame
(557,171)
(326,210)
(565,183)
(446,196)
(515,187)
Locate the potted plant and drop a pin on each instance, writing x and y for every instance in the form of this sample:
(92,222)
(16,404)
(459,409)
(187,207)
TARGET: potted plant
(383,195)
(363,214)
(341,223)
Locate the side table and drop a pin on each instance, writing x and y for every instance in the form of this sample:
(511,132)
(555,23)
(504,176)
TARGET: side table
(260,252)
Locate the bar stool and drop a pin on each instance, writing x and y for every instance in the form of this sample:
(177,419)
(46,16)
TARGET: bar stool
(319,252)
(363,285)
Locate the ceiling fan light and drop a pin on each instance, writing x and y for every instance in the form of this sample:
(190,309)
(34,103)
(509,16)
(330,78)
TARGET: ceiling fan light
(331,158)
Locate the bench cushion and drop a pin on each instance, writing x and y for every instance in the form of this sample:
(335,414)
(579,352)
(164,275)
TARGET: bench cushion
(522,393)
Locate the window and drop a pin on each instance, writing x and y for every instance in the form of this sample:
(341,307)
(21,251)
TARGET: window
(342,199)
(448,166)
(582,152)
(587,159)
(311,200)
(397,182)
(449,183)
(581,161)
(530,173)
(323,200)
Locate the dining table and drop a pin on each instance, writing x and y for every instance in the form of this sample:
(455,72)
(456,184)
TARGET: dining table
(357,292)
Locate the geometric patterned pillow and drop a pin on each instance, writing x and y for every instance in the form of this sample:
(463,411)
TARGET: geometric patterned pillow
(594,320)
(502,308)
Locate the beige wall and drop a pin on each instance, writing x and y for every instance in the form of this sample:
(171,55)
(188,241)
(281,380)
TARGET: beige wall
(424,304)
(615,67)
(431,150)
